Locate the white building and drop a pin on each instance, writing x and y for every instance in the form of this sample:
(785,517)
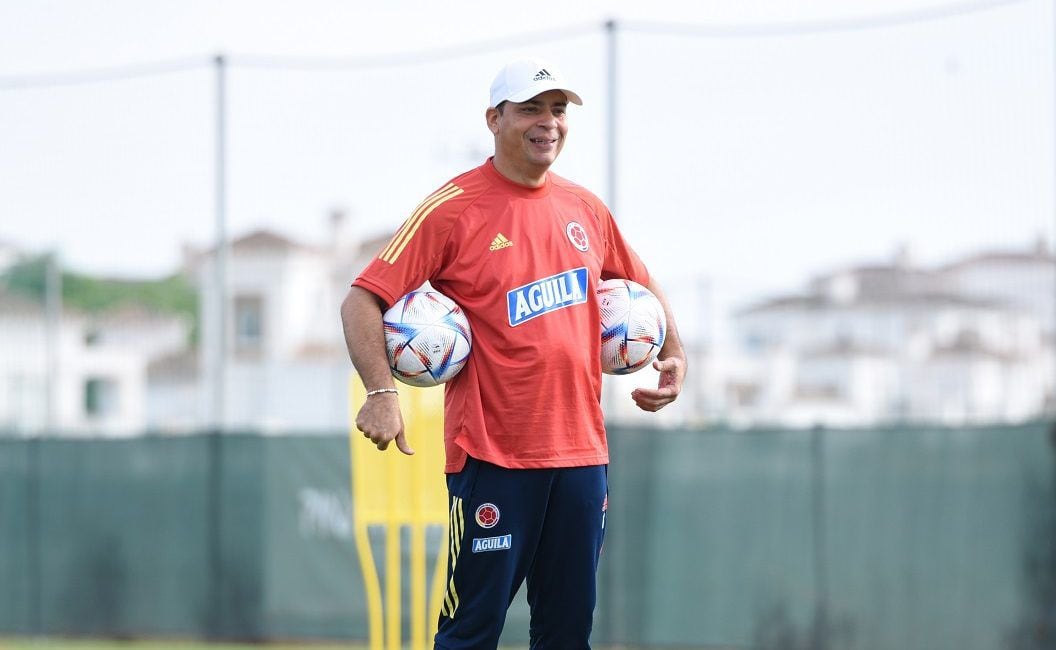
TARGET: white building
(9,255)
(285,366)
(80,374)
(971,342)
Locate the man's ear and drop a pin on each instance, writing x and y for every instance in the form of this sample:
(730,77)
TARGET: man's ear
(492,117)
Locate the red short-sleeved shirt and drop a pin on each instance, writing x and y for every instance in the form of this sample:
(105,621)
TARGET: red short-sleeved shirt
(523,264)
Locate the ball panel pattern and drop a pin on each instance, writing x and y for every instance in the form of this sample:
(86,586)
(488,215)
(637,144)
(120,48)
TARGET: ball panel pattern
(427,338)
(633,326)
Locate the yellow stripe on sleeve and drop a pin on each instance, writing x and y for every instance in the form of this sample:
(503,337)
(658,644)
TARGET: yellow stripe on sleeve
(406,224)
(406,232)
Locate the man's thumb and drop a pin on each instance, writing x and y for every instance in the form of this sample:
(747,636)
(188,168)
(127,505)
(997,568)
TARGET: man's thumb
(401,444)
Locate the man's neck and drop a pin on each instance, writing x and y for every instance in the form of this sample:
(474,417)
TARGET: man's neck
(528,176)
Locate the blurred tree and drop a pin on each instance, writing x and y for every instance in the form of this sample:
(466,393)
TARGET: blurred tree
(171,295)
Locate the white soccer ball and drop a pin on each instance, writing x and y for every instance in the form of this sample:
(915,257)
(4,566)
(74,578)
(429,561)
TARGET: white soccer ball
(633,325)
(427,338)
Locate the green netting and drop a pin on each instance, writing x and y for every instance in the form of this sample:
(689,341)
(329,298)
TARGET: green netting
(872,539)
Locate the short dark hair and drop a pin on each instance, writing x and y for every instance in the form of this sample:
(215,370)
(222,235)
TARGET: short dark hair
(501,106)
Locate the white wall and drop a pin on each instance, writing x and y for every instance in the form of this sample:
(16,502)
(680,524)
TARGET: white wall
(120,362)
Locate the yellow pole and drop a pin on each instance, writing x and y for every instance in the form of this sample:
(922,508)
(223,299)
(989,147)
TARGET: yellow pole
(418,639)
(392,583)
(436,592)
(371,581)
(392,491)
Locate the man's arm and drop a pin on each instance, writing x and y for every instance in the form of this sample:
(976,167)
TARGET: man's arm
(379,418)
(671,363)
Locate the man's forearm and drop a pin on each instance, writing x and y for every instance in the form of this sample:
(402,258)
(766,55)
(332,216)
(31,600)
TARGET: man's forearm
(672,342)
(361,317)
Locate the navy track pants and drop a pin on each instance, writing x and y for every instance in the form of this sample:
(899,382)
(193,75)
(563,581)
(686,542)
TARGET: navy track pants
(543,526)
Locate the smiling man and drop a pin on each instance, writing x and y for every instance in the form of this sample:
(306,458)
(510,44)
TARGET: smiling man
(521,250)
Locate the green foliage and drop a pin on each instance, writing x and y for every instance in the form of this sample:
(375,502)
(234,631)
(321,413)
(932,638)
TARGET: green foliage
(171,295)
(27,278)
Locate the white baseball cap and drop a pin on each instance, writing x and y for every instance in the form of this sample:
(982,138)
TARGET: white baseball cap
(520,80)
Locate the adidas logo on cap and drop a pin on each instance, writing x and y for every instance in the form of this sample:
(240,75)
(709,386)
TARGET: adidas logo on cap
(520,80)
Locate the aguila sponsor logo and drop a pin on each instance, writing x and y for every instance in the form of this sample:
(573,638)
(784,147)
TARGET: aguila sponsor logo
(485,544)
(546,295)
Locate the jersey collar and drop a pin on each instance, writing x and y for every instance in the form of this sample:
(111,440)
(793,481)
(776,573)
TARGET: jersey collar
(498,179)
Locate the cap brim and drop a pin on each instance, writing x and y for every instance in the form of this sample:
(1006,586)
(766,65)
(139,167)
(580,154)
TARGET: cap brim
(525,95)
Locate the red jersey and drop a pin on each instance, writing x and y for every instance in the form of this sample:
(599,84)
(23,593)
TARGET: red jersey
(523,264)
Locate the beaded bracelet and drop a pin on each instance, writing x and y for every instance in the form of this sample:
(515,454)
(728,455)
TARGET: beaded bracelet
(378,391)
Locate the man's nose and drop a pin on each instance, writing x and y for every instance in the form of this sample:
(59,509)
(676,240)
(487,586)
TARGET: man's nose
(548,120)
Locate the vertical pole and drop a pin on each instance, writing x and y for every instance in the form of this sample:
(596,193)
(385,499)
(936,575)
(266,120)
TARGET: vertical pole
(215,621)
(706,344)
(611,152)
(53,320)
(393,563)
(217,617)
(820,625)
(607,582)
(220,262)
(36,548)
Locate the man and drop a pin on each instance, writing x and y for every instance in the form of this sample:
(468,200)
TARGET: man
(524,435)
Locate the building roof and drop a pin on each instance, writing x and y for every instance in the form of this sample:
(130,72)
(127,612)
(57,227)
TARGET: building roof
(1035,256)
(177,366)
(815,303)
(263,239)
(134,314)
(845,348)
(16,303)
(970,349)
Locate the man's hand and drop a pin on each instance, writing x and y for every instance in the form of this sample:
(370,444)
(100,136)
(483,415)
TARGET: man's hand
(672,371)
(380,420)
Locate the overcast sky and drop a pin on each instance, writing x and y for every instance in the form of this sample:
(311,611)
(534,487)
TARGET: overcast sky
(777,141)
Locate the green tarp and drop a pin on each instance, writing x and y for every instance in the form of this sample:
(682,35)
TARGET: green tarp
(909,538)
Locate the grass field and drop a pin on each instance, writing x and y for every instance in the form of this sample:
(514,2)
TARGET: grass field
(65,644)
(68,644)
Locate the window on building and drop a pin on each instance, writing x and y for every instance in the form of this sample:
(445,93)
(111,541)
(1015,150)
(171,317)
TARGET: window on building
(100,397)
(92,338)
(249,323)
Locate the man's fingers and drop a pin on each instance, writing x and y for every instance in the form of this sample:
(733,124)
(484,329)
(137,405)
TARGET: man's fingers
(666,364)
(653,399)
(667,392)
(382,442)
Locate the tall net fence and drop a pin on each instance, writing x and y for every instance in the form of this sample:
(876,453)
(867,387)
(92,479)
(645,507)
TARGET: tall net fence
(854,224)
(857,540)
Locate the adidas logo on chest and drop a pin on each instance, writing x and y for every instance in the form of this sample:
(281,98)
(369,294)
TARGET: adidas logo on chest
(500,242)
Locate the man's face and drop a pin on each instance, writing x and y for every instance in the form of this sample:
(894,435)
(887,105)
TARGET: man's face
(530,134)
